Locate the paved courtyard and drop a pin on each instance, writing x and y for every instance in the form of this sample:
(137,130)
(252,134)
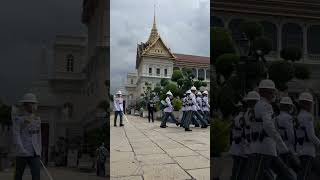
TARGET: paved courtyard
(57,174)
(142,150)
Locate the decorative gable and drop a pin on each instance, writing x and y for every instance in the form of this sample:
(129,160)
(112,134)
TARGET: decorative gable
(158,49)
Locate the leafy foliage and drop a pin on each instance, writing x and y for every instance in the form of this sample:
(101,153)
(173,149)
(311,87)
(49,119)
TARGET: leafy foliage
(164,82)
(220,136)
(177,74)
(281,72)
(221,42)
(225,64)
(291,54)
(177,104)
(301,71)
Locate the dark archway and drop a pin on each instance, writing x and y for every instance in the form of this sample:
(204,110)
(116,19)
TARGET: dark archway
(314,39)
(292,35)
(270,31)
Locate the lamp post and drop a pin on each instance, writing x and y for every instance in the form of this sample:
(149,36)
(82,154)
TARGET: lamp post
(243,48)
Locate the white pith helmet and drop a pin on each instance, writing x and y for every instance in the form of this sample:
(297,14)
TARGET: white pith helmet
(267,84)
(169,93)
(193,88)
(286,100)
(205,92)
(252,95)
(239,104)
(305,96)
(29,98)
(188,92)
(199,93)
(119,93)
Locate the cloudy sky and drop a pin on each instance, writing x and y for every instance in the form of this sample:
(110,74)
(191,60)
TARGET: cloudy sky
(24,25)
(182,24)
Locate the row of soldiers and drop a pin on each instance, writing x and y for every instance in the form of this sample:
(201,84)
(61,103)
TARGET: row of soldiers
(195,109)
(266,145)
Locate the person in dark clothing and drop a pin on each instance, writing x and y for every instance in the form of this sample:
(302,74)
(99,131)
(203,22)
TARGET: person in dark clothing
(151,108)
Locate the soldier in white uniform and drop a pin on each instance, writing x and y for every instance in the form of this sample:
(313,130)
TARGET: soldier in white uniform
(237,148)
(183,109)
(118,108)
(265,139)
(285,124)
(195,108)
(188,112)
(307,141)
(250,100)
(27,138)
(168,111)
(206,106)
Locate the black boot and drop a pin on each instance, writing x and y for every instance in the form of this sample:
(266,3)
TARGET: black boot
(121,124)
(187,129)
(163,126)
(197,125)
(204,126)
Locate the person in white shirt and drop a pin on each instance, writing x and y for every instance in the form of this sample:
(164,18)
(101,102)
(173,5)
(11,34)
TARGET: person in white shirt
(266,141)
(206,106)
(118,108)
(307,141)
(27,138)
(168,111)
(195,107)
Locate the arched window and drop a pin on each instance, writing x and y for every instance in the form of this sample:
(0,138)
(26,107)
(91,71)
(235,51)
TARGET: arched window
(131,81)
(270,31)
(201,74)
(292,35)
(216,22)
(313,39)
(69,63)
(208,74)
(194,72)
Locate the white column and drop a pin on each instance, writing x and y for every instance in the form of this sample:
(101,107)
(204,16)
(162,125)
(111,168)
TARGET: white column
(279,38)
(205,74)
(305,42)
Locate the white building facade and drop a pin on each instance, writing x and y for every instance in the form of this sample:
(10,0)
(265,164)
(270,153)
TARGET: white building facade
(155,61)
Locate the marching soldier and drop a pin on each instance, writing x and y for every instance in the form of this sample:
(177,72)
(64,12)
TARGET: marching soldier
(188,112)
(206,106)
(266,139)
(238,144)
(307,141)
(183,109)
(285,126)
(27,138)
(151,108)
(168,111)
(118,108)
(195,108)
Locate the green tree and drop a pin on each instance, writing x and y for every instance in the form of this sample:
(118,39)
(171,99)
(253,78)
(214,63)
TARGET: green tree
(281,72)
(176,75)
(225,64)
(291,53)
(164,82)
(301,71)
(177,104)
(221,42)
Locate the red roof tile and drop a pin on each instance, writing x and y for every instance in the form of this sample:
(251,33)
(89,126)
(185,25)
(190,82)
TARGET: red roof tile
(192,58)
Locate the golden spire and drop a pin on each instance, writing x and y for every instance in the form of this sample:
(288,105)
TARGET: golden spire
(154,32)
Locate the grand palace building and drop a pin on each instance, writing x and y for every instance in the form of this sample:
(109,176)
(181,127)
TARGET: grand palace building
(155,61)
(286,23)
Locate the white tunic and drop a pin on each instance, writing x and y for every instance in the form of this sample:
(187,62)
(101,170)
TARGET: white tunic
(199,102)
(205,104)
(118,104)
(169,107)
(305,119)
(286,129)
(263,110)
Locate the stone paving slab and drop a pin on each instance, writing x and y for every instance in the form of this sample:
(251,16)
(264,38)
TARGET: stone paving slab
(150,152)
(193,162)
(200,174)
